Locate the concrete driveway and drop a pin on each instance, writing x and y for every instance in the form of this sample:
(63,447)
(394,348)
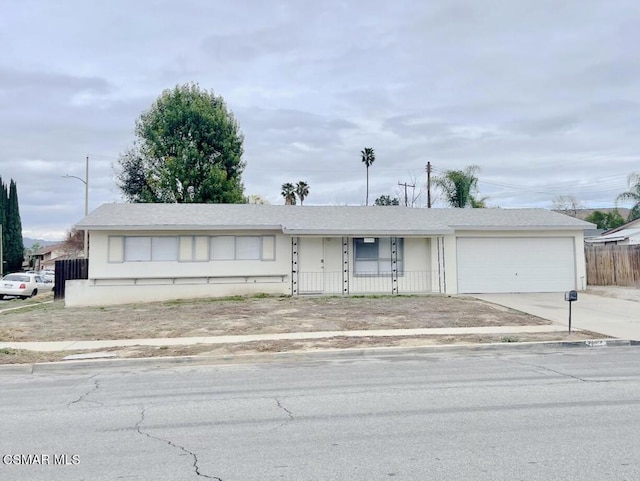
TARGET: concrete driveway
(619,318)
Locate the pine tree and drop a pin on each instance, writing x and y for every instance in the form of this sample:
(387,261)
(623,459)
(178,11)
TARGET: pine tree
(14,253)
(3,220)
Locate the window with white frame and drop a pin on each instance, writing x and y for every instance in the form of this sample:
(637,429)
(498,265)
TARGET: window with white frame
(222,248)
(145,249)
(193,248)
(241,248)
(164,248)
(248,248)
(374,255)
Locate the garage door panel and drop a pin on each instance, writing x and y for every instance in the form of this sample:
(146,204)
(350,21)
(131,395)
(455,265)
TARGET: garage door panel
(503,264)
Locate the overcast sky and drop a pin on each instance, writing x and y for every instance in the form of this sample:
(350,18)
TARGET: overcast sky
(542,95)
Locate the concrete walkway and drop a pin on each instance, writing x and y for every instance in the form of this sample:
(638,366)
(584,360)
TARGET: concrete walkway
(619,318)
(182,341)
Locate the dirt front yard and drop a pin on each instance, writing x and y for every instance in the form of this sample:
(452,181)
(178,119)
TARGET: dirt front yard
(51,321)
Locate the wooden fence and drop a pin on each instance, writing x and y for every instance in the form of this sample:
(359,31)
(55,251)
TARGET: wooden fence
(613,265)
(67,270)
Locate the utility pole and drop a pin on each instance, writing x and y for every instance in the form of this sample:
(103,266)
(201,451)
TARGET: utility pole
(406,199)
(85,181)
(428,185)
(86,207)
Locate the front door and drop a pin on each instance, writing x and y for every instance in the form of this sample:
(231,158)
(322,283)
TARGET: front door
(332,257)
(320,265)
(310,265)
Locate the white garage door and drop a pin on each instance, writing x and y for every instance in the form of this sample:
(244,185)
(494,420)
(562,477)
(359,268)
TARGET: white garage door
(515,264)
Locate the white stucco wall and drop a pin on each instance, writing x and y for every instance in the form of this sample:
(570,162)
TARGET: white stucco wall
(116,282)
(430,265)
(100,267)
(103,293)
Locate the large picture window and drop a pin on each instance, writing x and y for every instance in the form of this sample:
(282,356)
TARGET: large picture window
(223,248)
(373,256)
(248,248)
(240,248)
(144,249)
(191,248)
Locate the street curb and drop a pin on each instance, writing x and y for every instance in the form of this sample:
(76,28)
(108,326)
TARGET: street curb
(306,356)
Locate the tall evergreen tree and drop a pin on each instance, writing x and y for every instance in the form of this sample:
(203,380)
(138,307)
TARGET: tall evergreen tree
(14,247)
(3,220)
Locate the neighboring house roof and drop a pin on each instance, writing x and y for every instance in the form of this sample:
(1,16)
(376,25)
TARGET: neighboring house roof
(629,225)
(588,233)
(618,235)
(322,220)
(47,249)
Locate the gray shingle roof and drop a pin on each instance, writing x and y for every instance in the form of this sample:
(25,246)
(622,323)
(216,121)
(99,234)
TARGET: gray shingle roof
(322,220)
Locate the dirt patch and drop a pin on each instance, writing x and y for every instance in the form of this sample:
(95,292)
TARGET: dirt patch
(261,315)
(617,292)
(12,356)
(51,321)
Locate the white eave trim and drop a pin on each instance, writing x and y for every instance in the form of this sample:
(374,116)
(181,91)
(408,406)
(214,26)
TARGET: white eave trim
(507,228)
(367,233)
(174,227)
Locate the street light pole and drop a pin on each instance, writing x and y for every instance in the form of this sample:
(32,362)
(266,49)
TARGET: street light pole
(86,188)
(85,181)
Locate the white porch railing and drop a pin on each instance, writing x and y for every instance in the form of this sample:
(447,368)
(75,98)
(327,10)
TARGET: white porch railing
(407,282)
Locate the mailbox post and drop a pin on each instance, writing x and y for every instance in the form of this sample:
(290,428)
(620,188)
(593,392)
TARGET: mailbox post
(570,297)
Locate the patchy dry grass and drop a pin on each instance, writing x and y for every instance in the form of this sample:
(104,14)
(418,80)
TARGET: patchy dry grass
(12,356)
(251,315)
(51,321)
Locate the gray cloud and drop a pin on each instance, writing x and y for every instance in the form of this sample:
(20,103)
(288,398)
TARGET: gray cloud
(542,95)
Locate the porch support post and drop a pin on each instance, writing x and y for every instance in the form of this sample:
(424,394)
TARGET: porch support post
(294,266)
(442,275)
(345,266)
(394,265)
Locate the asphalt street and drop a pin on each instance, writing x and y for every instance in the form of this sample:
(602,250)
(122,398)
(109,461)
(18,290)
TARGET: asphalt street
(565,414)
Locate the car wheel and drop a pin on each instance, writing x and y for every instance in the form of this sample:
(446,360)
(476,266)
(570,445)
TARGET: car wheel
(35,291)
(24,297)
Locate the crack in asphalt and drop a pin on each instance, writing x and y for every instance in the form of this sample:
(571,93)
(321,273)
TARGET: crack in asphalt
(96,386)
(195,466)
(289,414)
(563,374)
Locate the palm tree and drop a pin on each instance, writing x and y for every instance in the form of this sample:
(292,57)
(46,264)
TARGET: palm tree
(368,158)
(633,194)
(302,190)
(460,186)
(289,193)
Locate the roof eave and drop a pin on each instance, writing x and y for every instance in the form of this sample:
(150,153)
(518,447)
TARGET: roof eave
(177,227)
(368,232)
(522,228)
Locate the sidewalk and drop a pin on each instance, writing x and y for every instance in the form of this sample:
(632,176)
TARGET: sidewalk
(183,341)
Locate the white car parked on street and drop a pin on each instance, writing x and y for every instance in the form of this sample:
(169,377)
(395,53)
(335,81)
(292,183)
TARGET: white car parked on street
(23,285)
